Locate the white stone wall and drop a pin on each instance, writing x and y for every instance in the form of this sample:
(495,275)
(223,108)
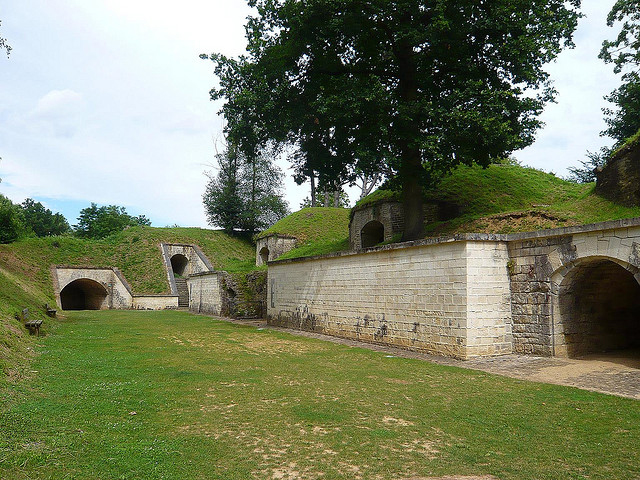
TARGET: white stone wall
(118,292)
(488,299)
(418,297)
(204,293)
(155,302)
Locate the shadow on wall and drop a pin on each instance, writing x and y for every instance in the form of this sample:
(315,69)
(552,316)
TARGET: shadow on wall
(599,308)
(84,294)
(179,264)
(372,234)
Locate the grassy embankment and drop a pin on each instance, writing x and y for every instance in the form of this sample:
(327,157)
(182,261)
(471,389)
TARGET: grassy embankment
(25,273)
(171,395)
(498,199)
(319,230)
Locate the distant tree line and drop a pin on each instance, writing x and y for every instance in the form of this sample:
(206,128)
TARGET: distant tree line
(32,219)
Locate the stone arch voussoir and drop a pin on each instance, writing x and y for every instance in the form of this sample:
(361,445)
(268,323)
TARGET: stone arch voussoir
(589,294)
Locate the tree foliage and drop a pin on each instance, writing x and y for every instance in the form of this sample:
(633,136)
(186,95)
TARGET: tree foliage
(244,195)
(414,86)
(587,173)
(4,45)
(42,221)
(12,224)
(623,121)
(99,222)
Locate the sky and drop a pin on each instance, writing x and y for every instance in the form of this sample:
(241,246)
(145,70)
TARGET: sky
(107,101)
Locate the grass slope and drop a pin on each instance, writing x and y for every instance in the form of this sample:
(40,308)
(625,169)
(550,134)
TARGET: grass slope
(170,395)
(319,230)
(511,198)
(25,273)
(135,252)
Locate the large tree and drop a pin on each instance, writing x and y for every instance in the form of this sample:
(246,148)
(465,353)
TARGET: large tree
(245,194)
(623,120)
(4,45)
(414,85)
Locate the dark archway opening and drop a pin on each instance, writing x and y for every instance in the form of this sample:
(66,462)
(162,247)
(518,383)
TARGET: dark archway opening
(83,294)
(599,308)
(264,255)
(371,234)
(179,264)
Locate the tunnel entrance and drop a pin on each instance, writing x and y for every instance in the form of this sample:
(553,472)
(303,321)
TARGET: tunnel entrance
(264,255)
(84,294)
(372,234)
(599,303)
(179,264)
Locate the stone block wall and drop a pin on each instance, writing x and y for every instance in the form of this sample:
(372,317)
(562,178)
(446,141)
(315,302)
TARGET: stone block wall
(117,290)
(271,247)
(155,302)
(389,214)
(531,268)
(428,296)
(204,293)
(619,180)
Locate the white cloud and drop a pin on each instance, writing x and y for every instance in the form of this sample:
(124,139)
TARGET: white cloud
(59,113)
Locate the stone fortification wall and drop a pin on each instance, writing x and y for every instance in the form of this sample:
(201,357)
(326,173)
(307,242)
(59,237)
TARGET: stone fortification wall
(449,298)
(554,274)
(197,261)
(619,180)
(271,247)
(155,302)
(388,213)
(205,295)
(117,290)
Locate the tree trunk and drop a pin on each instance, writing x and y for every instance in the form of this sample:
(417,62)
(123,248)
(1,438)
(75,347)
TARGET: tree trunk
(336,198)
(313,189)
(411,170)
(326,198)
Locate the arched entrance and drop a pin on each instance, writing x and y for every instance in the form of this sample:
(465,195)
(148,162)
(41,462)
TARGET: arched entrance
(84,294)
(264,255)
(372,234)
(179,264)
(597,309)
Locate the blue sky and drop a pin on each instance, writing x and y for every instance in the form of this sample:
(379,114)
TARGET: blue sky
(106,101)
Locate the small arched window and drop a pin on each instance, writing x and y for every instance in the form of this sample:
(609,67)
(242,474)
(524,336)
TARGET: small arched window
(372,234)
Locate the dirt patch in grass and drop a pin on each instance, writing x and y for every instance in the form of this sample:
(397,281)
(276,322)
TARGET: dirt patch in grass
(455,477)
(516,222)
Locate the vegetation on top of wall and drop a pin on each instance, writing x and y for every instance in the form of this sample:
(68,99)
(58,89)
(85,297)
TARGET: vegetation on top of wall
(319,230)
(512,198)
(380,195)
(632,140)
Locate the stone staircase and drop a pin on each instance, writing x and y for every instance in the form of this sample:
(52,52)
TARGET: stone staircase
(183,292)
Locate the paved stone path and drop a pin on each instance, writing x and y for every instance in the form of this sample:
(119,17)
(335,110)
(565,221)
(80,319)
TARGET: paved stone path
(614,374)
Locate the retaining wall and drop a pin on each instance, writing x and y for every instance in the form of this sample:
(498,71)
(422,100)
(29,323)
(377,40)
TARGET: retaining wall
(433,297)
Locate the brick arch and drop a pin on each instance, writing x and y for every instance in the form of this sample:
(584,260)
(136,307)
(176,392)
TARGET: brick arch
(595,306)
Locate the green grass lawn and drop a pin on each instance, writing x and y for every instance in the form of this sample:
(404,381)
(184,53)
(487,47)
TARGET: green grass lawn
(149,395)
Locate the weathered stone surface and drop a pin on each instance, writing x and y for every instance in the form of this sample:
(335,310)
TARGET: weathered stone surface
(389,215)
(472,294)
(619,180)
(272,247)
